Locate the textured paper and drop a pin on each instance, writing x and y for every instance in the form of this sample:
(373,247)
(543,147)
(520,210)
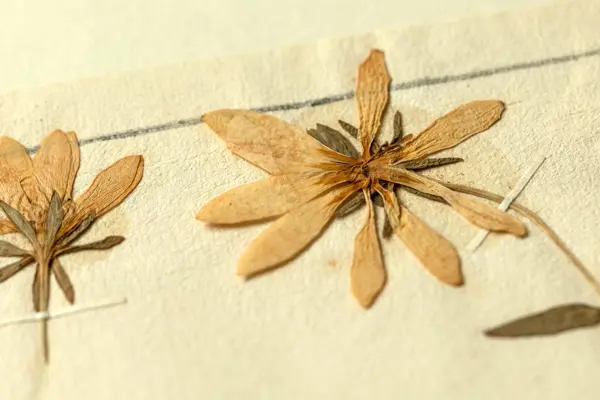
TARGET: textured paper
(192,329)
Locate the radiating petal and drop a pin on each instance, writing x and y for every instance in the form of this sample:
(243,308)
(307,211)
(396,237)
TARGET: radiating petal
(15,165)
(6,226)
(289,235)
(475,211)
(372,87)
(72,137)
(367,274)
(267,198)
(52,165)
(453,128)
(434,251)
(110,187)
(266,141)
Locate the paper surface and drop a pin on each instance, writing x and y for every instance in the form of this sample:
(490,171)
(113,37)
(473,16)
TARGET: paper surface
(192,329)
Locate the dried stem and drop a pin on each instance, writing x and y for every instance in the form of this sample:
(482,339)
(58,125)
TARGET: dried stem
(526,212)
(43,288)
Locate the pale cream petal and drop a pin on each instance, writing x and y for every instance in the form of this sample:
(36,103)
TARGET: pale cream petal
(110,187)
(372,92)
(435,252)
(15,165)
(285,238)
(453,128)
(267,198)
(266,141)
(475,211)
(367,274)
(52,165)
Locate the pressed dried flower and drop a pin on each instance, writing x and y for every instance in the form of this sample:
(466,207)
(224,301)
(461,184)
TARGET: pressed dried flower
(36,197)
(310,183)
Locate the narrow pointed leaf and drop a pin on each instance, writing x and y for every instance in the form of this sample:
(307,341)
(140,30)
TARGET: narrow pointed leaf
(10,270)
(372,92)
(291,234)
(453,128)
(430,163)
(10,250)
(398,128)
(77,231)
(54,219)
(367,274)
(63,280)
(104,244)
(334,140)
(549,322)
(20,222)
(351,129)
(436,253)
(353,203)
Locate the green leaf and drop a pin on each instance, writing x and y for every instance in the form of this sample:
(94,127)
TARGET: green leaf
(20,222)
(334,140)
(54,219)
(549,322)
(63,280)
(10,250)
(430,163)
(8,271)
(79,230)
(104,244)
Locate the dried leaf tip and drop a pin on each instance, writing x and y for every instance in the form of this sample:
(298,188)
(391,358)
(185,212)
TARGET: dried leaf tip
(549,322)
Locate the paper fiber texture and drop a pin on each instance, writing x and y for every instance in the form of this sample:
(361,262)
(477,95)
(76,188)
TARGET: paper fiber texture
(192,329)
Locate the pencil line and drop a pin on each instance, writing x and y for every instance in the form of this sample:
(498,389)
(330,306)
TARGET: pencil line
(421,82)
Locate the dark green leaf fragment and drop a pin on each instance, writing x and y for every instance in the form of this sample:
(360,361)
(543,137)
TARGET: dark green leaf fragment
(549,322)
(8,271)
(54,219)
(10,250)
(430,163)
(77,231)
(104,244)
(351,129)
(20,222)
(353,203)
(398,129)
(63,280)
(334,140)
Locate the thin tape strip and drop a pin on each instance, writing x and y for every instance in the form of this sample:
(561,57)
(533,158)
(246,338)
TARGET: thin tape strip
(61,313)
(510,197)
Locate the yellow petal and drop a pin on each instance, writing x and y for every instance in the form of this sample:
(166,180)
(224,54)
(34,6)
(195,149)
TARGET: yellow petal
(453,128)
(267,142)
(434,251)
(367,275)
(110,187)
(15,165)
(52,165)
(260,200)
(475,211)
(372,92)
(289,235)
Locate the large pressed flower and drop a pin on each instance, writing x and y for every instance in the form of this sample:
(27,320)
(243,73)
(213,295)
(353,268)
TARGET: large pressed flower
(309,182)
(36,196)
